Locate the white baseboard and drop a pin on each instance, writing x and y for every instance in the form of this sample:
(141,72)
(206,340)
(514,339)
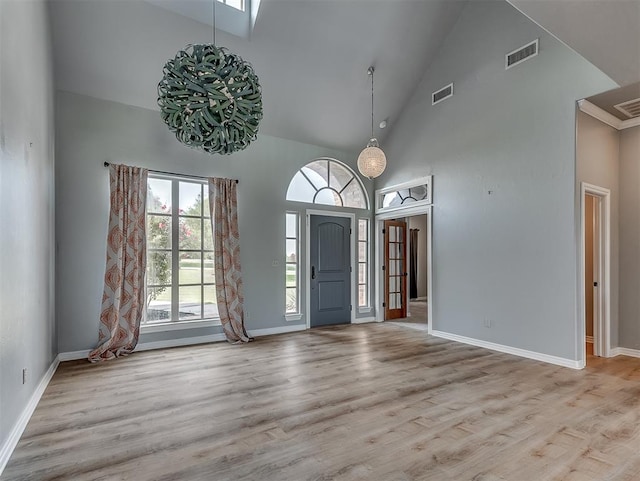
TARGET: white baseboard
(276,330)
(364,320)
(624,351)
(559,361)
(185,341)
(18,428)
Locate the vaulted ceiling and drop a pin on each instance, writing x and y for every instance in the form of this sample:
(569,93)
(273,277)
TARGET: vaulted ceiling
(312,55)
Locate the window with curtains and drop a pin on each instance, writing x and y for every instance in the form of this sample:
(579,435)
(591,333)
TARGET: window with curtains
(363,262)
(180,278)
(292,264)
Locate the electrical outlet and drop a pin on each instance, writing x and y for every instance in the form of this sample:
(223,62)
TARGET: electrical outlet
(488,323)
(24,376)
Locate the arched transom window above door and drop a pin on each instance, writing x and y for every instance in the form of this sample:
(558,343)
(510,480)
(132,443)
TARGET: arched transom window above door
(328,182)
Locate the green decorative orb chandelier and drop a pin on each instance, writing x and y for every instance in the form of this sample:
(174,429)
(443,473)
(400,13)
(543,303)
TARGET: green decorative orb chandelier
(211,99)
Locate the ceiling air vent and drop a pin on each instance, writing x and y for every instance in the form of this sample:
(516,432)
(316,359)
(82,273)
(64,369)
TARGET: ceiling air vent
(530,50)
(442,94)
(631,108)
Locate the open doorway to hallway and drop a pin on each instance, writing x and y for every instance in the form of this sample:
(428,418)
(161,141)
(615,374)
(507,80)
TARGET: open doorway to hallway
(406,298)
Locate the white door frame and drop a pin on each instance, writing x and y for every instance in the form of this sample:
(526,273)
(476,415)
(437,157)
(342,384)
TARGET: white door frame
(602,316)
(352,247)
(407,211)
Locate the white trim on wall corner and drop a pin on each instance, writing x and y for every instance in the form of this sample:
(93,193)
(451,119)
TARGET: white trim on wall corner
(6,449)
(605,117)
(624,351)
(537,356)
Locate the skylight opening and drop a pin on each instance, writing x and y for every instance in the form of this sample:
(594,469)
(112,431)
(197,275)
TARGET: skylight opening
(237,4)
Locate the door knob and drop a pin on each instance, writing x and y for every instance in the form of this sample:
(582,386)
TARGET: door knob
(313,272)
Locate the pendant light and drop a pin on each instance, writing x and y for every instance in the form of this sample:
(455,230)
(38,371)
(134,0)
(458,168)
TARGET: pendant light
(210,98)
(372,161)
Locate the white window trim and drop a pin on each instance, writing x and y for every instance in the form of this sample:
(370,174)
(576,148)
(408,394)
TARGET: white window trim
(297,315)
(349,169)
(183,324)
(367,308)
(380,193)
(179,325)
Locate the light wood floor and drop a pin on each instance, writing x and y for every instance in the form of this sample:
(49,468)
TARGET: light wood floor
(361,402)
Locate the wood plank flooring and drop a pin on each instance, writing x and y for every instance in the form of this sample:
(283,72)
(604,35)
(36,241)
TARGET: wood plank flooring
(360,402)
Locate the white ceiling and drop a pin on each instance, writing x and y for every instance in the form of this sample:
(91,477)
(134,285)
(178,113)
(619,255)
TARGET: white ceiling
(311,57)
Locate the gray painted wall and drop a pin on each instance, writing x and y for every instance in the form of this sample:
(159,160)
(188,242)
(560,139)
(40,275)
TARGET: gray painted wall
(91,131)
(502,152)
(27,331)
(629,330)
(598,163)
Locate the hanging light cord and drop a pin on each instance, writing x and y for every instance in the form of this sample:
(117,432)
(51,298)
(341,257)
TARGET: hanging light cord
(371,70)
(214,21)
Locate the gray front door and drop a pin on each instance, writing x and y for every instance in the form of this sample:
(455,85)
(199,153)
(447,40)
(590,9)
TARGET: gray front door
(330,270)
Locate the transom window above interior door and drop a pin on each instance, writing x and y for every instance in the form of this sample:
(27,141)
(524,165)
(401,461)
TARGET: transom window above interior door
(328,182)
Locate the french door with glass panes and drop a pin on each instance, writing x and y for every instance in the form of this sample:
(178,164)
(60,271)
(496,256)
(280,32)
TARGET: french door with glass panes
(395,269)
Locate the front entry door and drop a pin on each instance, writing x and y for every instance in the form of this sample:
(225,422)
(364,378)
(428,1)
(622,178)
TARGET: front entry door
(330,270)
(395,269)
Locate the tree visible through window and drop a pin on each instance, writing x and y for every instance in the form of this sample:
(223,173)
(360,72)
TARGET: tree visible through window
(180,271)
(327,181)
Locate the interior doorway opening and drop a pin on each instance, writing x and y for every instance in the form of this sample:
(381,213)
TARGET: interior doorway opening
(405,265)
(595,271)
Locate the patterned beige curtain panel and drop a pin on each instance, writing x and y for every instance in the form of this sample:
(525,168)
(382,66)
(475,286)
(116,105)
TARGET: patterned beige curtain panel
(226,239)
(123,299)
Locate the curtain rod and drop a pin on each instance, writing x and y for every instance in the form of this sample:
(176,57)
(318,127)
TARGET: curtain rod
(107,164)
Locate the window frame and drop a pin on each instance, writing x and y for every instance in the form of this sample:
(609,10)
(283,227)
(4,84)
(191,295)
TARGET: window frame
(243,5)
(367,307)
(297,314)
(380,193)
(174,322)
(328,187)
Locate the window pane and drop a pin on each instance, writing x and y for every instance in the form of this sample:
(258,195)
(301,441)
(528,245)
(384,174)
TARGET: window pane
(291,255)
(158,268)
(362,273)
(158,232)
(328,197)
(317,173)
(190,303)
(353,196)
(339,176)
(391,199)
(209,269)
(158,196)
(190,199)
(300,189)
(190,268)
(419,192)
(292,227)
(235,4)
(363,229)
(292,275)
(210,303)
(208,235)
(362,296)
(158,304)
(362,251)
(189,233)
(205,201)
(292,299)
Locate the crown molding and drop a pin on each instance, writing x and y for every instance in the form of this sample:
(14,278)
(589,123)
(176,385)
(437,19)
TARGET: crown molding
(605,117)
